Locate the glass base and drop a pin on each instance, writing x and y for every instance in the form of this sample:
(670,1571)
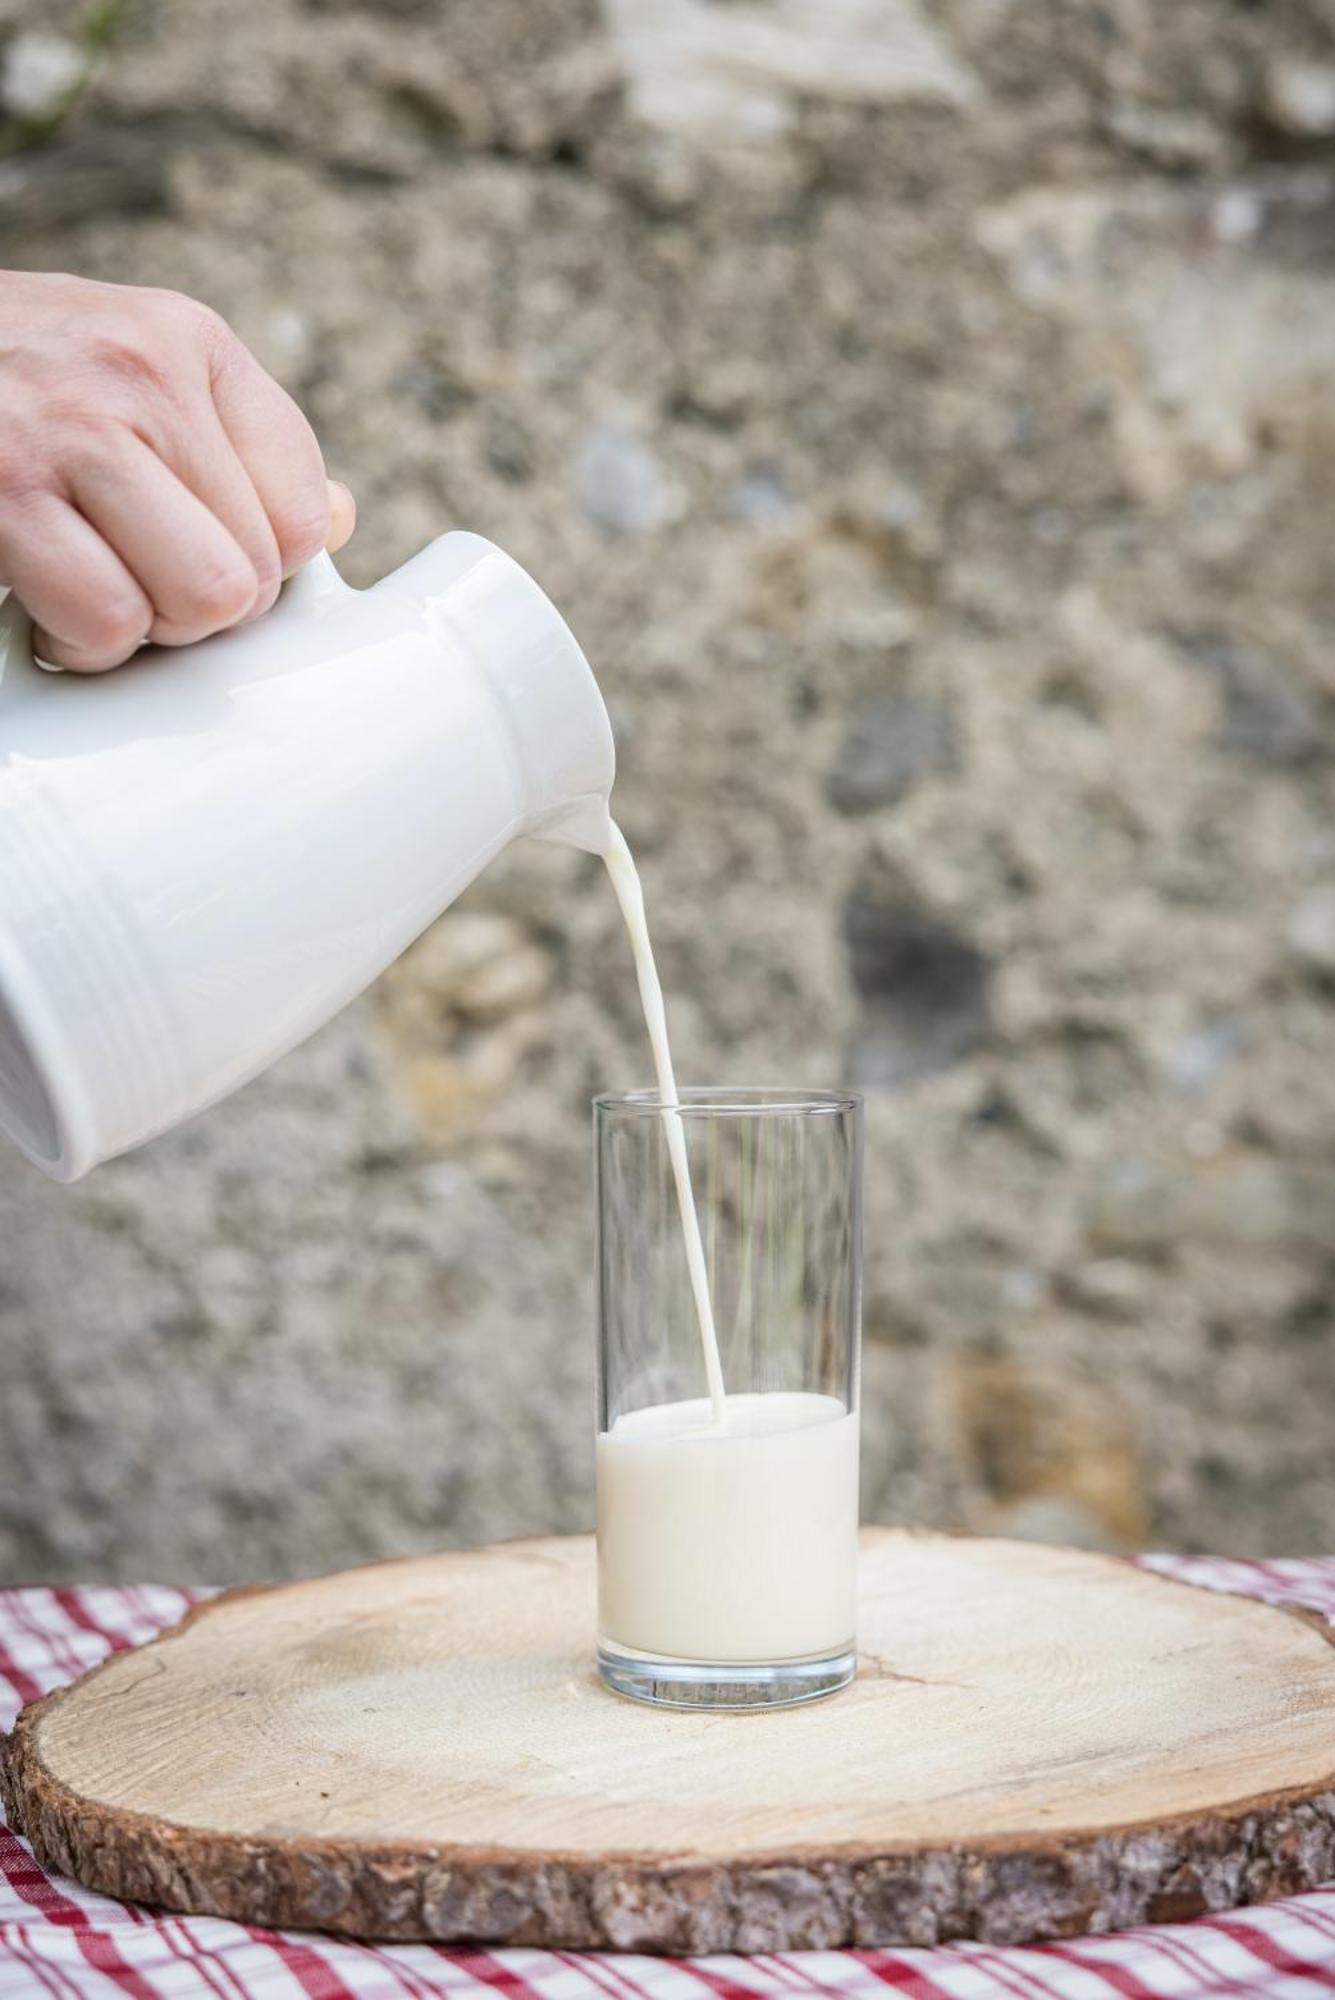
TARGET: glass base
(667,1683)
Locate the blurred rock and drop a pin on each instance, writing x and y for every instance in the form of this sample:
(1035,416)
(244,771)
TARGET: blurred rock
(1268,714)
(1111,1287)
(82,177)
(1195,1060)
(739,71)
(721,390)
(878,629)
(509,447)
(1300,97)
(478,965)
(1060,1462)
(619,483)
(1237,216)
(1311,929)
(40,74)
(1150,1207)
(924,990)
(761,500)
(1173,139)
(440,394)
(459,1014)
(1139,1206)
(1204,348)
(291,335)
(1051,1517)
(891,743)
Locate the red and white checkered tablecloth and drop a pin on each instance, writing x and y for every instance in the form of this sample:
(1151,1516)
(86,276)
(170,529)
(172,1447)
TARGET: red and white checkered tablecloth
(59,1942)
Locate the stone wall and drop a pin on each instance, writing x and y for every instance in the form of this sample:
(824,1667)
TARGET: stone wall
(927,419)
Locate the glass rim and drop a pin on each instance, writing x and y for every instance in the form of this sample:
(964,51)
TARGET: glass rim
(709,1100)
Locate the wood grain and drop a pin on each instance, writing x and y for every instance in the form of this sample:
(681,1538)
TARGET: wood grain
(1040,1742)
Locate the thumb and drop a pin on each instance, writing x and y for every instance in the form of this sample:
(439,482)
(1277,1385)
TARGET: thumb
(342,515)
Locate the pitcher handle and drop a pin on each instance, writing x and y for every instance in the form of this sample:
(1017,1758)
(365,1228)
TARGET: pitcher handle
(314,583)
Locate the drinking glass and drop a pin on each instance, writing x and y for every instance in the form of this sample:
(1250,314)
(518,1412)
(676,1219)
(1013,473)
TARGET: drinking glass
(727,1532)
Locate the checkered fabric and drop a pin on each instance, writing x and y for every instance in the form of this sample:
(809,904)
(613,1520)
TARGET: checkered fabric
(58,1941)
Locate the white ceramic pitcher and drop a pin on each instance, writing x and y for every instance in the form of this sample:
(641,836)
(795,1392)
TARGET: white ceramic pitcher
(208,852)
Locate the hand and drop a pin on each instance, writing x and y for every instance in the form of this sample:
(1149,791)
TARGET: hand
(155,483)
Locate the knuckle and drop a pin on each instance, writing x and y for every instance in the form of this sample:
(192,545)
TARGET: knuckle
(301,531)
(23,503)
(222,594)
(123,353)
(84,442)
(115,625)
(131,355)
(185,315)
(269,576)
(263,554)
(190,323)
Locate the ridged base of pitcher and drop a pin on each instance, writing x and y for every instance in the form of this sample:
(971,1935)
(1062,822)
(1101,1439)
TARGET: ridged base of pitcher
(703,1684)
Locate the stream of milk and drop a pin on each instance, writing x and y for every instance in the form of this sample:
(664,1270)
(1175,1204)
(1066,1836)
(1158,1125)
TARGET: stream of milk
(630,895)
(727,1525)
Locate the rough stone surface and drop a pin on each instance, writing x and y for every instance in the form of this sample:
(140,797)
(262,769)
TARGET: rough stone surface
(740,74)
(40,73)
(1267,713)
(1014,389)
(1312,929)
(619,484)
(893,740)
(1300,98)
(924,990)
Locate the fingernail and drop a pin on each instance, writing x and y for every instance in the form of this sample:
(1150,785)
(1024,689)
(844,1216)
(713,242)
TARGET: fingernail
(342,514)
(41,646)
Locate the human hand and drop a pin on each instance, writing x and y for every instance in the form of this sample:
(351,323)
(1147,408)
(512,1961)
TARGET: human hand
(155,483)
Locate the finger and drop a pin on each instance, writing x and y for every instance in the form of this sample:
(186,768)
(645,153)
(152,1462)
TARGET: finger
(279,451)
(204,458)
(190,568)
(88,611)
(342,516)
(342,521)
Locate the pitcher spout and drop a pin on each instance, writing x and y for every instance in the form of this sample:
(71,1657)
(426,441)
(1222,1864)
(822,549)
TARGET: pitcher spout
(585,823)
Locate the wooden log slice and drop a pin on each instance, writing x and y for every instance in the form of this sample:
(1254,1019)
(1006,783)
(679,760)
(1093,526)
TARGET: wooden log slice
(1040,1743)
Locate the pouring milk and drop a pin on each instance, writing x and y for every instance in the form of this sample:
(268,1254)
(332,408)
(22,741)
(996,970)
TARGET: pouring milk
(717,1516)
(405,733)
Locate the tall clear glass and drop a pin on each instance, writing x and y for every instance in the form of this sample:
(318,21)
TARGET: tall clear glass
(727,1531)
